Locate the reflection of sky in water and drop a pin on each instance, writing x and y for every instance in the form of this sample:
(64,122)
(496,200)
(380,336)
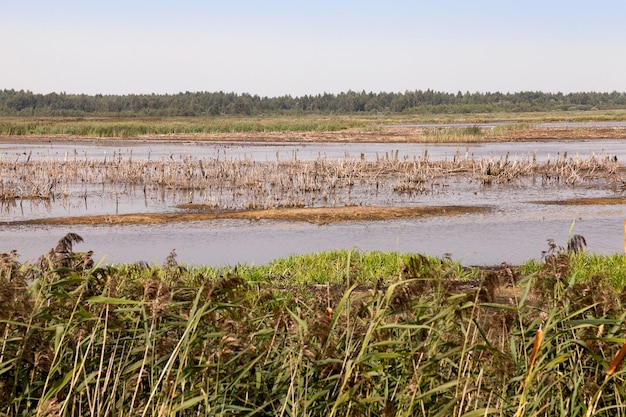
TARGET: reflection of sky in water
(513,199)
(487,240)
(160,150)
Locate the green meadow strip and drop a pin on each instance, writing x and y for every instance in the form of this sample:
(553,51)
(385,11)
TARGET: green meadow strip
(137,127)
(133,127)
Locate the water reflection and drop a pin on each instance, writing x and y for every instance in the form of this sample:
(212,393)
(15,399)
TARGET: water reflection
(106,150)
(472,240)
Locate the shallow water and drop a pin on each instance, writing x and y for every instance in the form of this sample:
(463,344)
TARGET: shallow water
(473,240)
(516,229)
(91,149)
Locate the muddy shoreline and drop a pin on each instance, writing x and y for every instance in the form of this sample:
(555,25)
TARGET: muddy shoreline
(314,215)
(317,215)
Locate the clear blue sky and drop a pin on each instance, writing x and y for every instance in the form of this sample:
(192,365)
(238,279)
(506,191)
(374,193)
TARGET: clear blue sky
(275,47)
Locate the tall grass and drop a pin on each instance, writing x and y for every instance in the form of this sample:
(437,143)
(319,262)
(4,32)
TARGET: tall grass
(453,134)
(128,128)
(84,339)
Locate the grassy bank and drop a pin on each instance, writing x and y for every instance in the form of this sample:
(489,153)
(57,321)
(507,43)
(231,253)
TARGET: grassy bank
(330,334)
(112,127)
(131,127)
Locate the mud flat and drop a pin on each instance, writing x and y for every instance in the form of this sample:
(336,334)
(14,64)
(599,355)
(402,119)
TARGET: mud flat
(317,215)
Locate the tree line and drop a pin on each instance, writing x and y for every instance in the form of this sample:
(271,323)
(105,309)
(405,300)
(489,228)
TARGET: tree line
(27,103)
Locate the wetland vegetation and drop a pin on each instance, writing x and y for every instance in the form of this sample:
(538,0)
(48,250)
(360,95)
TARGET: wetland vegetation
(328,334)
(329,128)
(319,190)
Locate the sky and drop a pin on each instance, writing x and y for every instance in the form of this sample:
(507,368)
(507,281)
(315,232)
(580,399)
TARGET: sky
(274,47)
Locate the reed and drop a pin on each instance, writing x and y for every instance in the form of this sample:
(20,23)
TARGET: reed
(139,127)
(223,183)
(398,334)
(453,134)
(128,127)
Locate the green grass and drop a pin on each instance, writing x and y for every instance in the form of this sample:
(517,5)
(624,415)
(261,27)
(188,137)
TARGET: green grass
(445,134)
(128,128)
(590,268)
(335,267)
(134,127)
(595,267)
(393,336)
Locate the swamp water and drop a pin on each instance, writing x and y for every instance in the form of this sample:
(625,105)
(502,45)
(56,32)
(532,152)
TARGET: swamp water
(514,230)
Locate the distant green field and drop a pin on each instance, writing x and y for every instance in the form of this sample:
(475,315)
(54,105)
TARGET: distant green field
(135,127)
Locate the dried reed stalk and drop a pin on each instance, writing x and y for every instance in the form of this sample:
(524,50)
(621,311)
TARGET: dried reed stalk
(235,183)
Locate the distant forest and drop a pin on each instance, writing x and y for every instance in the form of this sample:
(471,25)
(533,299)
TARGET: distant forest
(26,103)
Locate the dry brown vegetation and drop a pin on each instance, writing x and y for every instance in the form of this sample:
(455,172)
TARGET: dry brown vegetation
(586,201)
(329,189)
(320,191)
(409,134)
(374,133)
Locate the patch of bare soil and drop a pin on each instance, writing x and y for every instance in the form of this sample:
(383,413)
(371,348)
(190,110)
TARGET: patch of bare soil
(317,215)
(586,201)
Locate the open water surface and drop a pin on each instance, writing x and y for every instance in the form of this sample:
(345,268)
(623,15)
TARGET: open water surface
(264,151)
(515,229)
